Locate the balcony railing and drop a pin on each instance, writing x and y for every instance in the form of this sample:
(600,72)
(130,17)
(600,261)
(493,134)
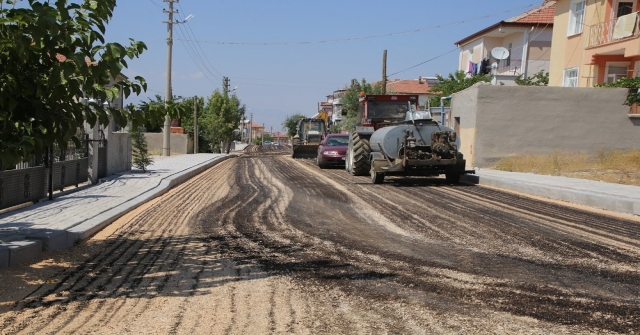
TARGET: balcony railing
(604,33)
(512,67)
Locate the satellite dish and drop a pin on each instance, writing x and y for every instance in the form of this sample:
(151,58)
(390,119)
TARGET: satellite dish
(500,53)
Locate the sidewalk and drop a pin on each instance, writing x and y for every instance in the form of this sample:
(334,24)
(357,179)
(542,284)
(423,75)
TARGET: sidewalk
(58,224)
(619,198)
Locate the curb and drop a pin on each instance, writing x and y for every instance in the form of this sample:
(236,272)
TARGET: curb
(88,228)
(600,200)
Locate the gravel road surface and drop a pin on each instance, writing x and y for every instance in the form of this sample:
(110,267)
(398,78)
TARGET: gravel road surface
(265,244)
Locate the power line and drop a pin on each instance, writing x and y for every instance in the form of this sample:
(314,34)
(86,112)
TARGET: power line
(200,47)
(157,5)
(289,86)
(409,32)
(427,61)
(195,57)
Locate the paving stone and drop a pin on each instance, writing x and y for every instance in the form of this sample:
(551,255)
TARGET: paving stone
(22,252)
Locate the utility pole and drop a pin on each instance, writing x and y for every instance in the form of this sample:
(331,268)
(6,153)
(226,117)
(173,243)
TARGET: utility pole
(195,125)
(225,85)
(251,129)
(166,131)
(262,135)
(384,72)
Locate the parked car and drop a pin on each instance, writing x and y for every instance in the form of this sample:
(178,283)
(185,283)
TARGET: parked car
(266,143)
(332,150)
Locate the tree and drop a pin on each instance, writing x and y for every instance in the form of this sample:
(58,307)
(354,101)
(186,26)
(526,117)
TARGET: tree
(154,111)
(141,157)
(455,82)
(53,54)
(290,124)
(539,79)
(351,99)
(186,120)
(222,118)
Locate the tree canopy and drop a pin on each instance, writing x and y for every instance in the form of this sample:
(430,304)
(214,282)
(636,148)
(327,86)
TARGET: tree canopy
(291,123)
(455,82)
(539,79)
(224,116)
(53,54)
(351,99)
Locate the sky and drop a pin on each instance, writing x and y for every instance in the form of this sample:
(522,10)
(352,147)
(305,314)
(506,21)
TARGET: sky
(283,57)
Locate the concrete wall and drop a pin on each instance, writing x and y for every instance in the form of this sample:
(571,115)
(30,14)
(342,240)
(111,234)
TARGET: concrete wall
(118,153)
(179,143)
(503,121)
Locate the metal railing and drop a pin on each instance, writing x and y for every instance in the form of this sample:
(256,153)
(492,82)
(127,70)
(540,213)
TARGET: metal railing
(513,66)
(71,152)
(602,33)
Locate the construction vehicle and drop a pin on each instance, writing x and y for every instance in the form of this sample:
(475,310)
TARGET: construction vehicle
(393,137)
(309,134)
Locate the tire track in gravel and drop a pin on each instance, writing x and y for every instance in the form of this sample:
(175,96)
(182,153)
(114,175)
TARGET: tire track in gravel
(519,223)
(267,244)
(122,268)
(123,252)
(181,218)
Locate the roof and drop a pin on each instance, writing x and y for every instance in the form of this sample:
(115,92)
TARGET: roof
(543,14)
(409,86)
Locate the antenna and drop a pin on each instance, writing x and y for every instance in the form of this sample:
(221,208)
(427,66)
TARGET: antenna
(500,53)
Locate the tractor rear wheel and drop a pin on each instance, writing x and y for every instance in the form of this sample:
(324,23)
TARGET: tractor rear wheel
(359,151)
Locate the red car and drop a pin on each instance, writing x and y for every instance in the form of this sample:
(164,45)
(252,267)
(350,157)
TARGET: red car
(332,150)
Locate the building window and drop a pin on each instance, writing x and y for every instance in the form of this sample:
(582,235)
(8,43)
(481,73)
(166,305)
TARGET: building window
(571,77)
(616,71)
(624,8)
(576,17)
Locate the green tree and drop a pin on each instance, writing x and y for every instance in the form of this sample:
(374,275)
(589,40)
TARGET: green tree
(155,109)
(455,82)
(539,79)
(221,119)
(290,124)
(351,99)
(187,122)
(53,54)
(141,157)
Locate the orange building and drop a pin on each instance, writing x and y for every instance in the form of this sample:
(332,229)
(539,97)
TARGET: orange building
(594,42)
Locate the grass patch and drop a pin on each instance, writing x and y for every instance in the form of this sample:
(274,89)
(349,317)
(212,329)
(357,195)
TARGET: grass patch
(611,166)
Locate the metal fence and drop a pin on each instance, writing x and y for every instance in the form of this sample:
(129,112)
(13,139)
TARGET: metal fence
(29,181)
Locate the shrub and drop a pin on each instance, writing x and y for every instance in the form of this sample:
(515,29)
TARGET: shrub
(141,156)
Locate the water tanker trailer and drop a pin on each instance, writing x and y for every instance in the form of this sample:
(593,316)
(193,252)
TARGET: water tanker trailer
(420,146)
(395,139)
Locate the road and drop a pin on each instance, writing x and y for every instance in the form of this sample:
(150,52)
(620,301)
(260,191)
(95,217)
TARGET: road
(265,244)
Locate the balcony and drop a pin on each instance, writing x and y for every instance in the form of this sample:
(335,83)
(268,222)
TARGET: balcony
(512,67)
(609,32)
